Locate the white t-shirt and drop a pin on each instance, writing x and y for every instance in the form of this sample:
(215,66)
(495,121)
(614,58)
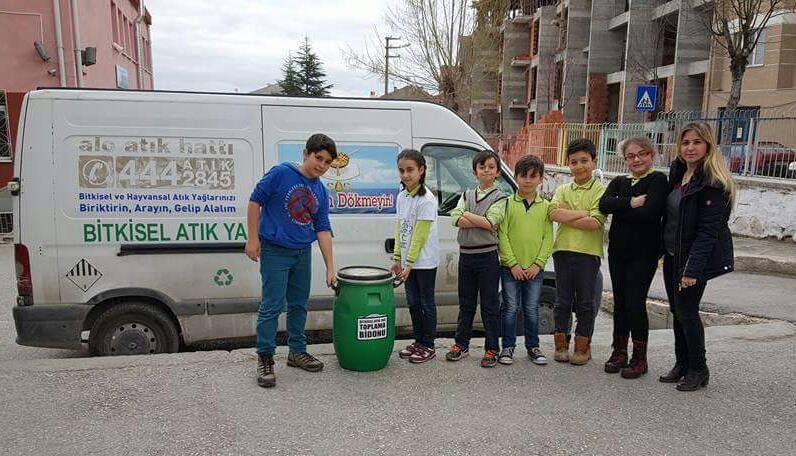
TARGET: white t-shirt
(410,210)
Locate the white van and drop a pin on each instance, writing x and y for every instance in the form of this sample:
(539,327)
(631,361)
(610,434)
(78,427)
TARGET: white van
(129,208)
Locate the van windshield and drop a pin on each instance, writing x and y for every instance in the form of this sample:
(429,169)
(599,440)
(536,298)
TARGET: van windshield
(450,172)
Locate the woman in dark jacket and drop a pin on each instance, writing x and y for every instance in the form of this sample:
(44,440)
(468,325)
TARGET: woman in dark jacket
(637,202)
(697,245)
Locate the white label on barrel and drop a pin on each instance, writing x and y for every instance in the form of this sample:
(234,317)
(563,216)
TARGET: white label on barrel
(372,327)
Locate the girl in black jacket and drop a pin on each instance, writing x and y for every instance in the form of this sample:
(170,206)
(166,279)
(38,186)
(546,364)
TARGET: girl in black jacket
(637,202)
(697,245)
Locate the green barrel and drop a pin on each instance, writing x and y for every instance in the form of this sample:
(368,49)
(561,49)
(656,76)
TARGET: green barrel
(364,318)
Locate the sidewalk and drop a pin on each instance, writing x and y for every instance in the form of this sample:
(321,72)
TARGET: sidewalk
(765,256)
(209,403)
(763,284)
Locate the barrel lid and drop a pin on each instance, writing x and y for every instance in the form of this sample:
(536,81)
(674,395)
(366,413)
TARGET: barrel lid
(364,273)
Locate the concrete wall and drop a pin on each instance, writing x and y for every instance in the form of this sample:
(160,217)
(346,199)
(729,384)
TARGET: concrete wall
(693,45)
(24,21)
(514,79)
(764,208)
(548,42)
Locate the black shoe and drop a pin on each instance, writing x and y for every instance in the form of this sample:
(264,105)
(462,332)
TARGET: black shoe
(265,371)
(694,380)
(674,375)
(304,361)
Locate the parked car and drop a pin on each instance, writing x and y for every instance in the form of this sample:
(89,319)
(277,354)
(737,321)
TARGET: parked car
(767,158)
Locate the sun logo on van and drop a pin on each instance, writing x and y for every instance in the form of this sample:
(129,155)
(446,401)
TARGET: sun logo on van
(341,171)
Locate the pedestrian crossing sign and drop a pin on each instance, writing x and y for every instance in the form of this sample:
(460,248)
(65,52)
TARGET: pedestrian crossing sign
(645,97)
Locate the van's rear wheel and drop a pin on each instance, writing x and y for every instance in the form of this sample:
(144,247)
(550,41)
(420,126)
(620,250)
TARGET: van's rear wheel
(133,328)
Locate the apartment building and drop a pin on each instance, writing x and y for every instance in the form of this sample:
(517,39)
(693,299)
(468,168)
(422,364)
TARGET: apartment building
(769,84)
(586,59)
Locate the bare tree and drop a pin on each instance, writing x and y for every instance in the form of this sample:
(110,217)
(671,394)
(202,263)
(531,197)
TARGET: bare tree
(432,28)
(735,26)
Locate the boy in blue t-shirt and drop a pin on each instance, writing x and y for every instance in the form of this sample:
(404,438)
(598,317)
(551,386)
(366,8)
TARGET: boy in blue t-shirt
(288,210)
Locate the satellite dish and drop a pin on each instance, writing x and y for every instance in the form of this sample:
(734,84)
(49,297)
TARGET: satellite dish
(41,50)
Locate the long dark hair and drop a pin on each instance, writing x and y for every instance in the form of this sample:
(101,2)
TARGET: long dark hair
(420,161)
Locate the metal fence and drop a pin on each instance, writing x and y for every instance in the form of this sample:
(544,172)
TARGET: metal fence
(758,143)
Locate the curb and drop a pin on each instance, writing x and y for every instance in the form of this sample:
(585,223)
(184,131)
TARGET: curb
(765,265)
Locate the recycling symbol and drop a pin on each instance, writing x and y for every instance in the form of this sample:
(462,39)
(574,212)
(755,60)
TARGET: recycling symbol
(223,277)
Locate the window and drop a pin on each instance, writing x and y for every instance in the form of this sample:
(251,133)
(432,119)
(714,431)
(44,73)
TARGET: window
(757,56)
(5,137)
(115,23)
(759,52)
(130,40)
(449,174)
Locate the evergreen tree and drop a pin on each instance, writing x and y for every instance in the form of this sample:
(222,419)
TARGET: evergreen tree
(311,77)
(290,80)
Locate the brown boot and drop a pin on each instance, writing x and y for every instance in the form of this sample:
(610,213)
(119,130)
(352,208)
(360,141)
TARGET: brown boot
(638,365)
(618,359)
(562,348)
(582,353)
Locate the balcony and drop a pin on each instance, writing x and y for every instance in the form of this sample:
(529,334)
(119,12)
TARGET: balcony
(516,104)
(522,60)
(616,77)
(619,21)
(697,68)
(665,9)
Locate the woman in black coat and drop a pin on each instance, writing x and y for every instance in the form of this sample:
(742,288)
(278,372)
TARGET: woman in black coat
(637,202)
(697,245)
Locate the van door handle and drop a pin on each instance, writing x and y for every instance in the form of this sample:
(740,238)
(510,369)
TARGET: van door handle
(389,245)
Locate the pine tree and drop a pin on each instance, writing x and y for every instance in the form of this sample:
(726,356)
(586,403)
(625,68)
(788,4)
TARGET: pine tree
(311,77)
(290,80)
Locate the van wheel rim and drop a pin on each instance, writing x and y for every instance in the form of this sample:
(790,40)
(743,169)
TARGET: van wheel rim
(133,339)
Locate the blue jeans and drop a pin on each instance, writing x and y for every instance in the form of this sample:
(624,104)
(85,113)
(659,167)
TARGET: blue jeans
(422,307)
(286,276)
(518,294)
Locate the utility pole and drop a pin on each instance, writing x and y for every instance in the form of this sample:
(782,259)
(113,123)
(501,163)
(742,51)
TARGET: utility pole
(387,58)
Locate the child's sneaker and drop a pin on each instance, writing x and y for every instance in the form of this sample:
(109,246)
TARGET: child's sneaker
(536,356)
(506,356)
(408,351)
(457,352)
(490,359)
(422,354)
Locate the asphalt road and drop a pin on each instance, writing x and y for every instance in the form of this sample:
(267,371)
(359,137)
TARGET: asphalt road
(208,402)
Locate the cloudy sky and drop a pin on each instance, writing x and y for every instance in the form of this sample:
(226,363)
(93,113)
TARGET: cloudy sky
(208,45)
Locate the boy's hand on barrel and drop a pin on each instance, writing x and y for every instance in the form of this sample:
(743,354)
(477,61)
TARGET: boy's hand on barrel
(405,273)
(331,278)
(396,268)
(253,249)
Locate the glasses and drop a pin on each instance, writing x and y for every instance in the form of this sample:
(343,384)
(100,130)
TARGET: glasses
(642,154)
